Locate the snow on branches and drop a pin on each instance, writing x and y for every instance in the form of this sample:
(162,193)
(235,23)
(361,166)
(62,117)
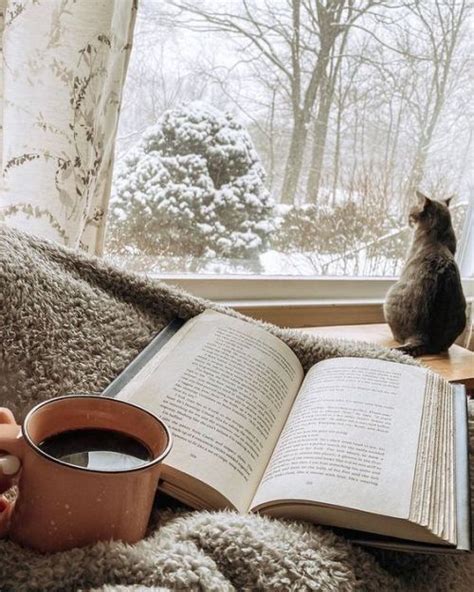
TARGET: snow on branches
(192,186)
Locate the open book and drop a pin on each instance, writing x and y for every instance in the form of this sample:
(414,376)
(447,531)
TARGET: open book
(362,444)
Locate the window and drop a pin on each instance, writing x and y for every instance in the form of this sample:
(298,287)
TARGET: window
(277,137)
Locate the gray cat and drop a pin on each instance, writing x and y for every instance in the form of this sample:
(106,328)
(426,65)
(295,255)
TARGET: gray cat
(426,308)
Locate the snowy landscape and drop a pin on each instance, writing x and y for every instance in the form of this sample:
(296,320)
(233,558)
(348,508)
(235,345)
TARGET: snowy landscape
(288,137)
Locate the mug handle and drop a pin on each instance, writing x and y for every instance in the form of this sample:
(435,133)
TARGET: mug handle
(11,442)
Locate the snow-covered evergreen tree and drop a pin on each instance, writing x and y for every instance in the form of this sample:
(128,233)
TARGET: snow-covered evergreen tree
(192,186)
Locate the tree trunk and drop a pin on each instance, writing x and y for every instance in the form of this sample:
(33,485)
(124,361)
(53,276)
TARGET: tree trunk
(319,146)
(393,153)
(271,173)
(329,16)
(418,168)
(337,153)
(301,117)
(294,162)
(355,152)
(439,81)
(326,97)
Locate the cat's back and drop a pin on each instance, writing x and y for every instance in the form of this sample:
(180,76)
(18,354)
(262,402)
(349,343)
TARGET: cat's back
(434,260)
(422,266)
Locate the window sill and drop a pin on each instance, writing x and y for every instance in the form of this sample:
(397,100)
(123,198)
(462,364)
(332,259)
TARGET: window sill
(226,288)
(297,301)
(312,313)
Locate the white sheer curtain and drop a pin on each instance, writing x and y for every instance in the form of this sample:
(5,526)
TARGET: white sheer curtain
(63,66)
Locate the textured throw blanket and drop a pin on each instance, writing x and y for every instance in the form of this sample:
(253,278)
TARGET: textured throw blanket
(71,323)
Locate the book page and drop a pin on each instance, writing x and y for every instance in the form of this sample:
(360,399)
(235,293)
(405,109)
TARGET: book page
(351,439)
(225,388)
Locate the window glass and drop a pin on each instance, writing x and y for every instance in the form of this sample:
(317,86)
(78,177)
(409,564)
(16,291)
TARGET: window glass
(288,137)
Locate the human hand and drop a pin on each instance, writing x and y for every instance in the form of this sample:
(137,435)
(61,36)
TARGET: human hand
(9,466)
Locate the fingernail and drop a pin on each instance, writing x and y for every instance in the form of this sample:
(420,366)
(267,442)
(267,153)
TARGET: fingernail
(9,464)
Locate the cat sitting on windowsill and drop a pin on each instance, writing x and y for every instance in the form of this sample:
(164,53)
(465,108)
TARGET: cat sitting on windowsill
(426,308)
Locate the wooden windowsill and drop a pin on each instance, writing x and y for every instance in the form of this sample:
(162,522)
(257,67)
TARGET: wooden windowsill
(456,365)
(312,313)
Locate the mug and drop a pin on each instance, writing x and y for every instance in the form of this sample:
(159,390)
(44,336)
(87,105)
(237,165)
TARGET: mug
(61,506)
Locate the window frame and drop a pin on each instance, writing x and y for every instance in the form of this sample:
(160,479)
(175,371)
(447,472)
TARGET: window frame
(297,302)
(304,289)
(265,291)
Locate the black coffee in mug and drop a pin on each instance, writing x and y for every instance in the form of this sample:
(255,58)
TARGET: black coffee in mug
(97,449)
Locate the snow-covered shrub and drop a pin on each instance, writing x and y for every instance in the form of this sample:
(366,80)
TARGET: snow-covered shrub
(192,186)
(336,230)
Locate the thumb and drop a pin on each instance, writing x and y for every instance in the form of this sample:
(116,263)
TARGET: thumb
(9,467)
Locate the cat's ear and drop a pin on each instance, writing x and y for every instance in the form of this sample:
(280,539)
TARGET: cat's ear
(448,200)
(423,199)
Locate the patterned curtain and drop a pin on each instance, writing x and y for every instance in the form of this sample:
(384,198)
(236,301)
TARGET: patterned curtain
(63,66)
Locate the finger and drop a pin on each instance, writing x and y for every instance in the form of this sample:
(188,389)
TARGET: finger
(6,416)
(6,508)
(9,464)
(9,467)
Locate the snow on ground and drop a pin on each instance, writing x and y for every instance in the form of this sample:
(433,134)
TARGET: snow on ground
(276,263)
(270,263)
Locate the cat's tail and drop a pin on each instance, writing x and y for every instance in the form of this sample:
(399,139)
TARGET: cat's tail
(414,348)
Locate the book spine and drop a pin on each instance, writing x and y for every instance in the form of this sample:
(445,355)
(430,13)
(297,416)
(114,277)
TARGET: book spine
(159,341)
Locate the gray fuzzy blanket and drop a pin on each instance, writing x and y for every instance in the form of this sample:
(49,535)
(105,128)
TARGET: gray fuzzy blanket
(70,323)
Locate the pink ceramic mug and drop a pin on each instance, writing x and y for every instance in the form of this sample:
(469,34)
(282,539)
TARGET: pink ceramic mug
(60,505)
